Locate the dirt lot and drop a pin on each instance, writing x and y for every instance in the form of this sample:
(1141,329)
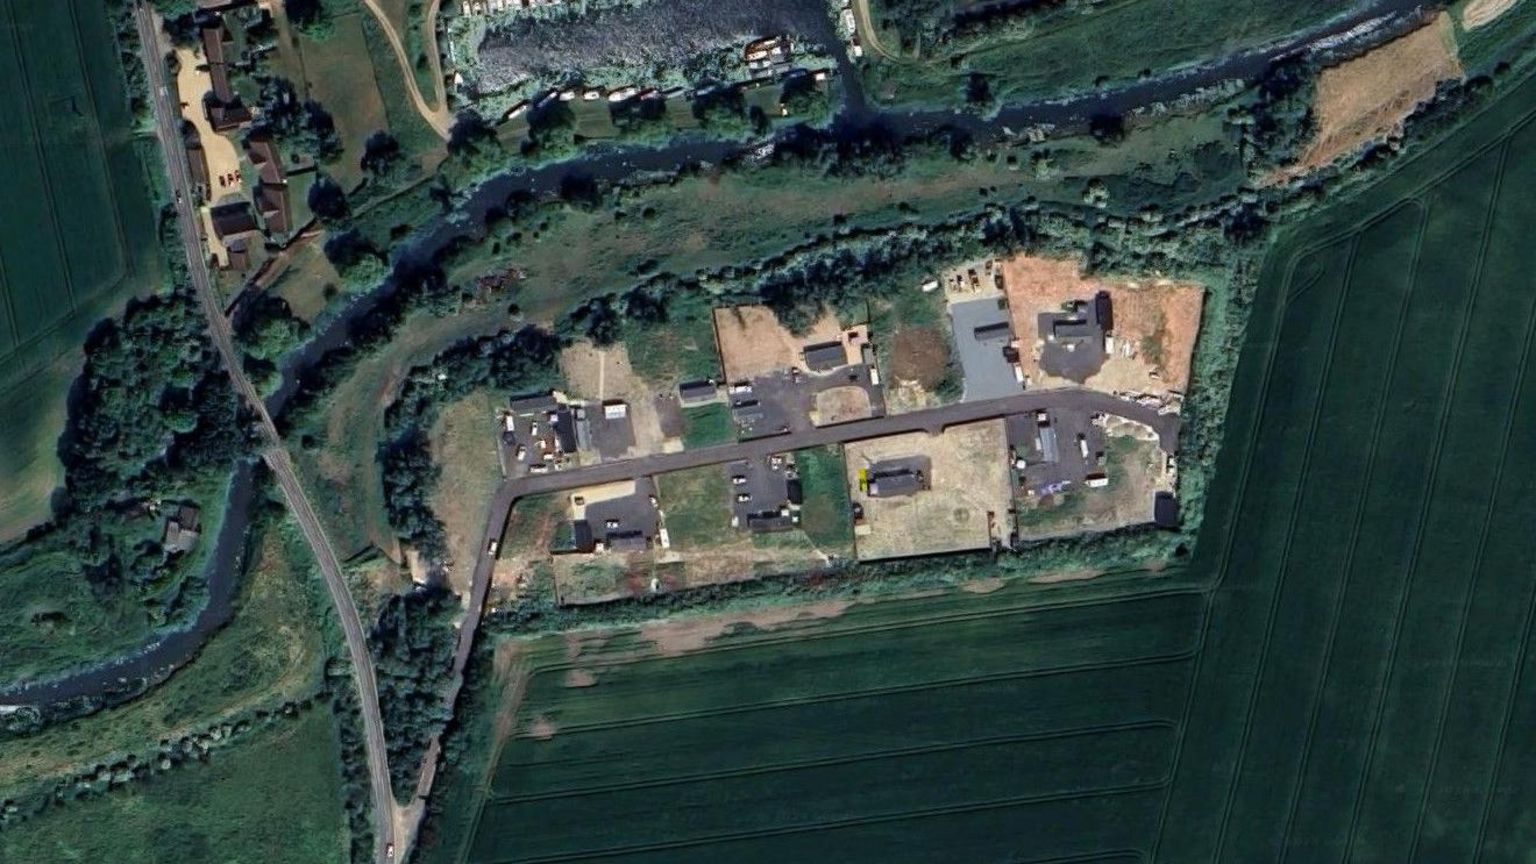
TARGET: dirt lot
(606,373)
(1156,322)
(1136,472)
(969,480)
(840,405)
(1480,12)
(753,342)
(1370,96)
(920,355)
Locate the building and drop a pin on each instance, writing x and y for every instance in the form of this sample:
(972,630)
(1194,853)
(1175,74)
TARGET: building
(824,356)
(234,219)
(1072,340)
(626,541)
(691,393)
(271,193)
(575,537)
(896,483)
(533,403)
(1165,511)
(182,523)
(222,104)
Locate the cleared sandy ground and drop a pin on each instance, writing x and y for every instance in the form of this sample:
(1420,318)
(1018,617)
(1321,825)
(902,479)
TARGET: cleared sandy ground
(969,480)
(1480,12)
(1369,97)
(753,342)
(1155,323)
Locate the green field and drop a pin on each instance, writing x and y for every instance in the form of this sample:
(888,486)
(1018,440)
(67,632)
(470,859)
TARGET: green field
(77,230)
(777,744)
(1113,42)
(1363,687)
(273,798)
(707,425)
(1342,672)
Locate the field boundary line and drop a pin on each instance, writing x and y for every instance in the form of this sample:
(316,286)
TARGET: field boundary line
(10,316)
(848,759)
(1477,569)
(42,162)
(1284,565)
(1347,566)
(1384,682)
(521,681)
(850,695)
(1234,518)
(1352,199)
(773,638)
(835,824)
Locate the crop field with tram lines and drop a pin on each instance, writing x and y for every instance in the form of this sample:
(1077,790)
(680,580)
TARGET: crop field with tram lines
(1341,671)
(77,232)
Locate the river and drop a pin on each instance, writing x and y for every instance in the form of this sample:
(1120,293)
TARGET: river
(610,163)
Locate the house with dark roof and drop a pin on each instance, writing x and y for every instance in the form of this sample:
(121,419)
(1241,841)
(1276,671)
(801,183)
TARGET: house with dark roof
(233,219)
(627,541)
(1165,511)
(222,104)
(895,484)
(533,403)
(691,393)
(182,523)
(824,356)
(998,333)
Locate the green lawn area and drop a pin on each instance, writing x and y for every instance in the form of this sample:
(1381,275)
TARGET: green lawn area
(706,425)
(273,797)
(339,75)
(682,349)
(826,516)
(697,506)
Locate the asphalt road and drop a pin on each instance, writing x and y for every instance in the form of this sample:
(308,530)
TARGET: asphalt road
(167,128)
(932,420)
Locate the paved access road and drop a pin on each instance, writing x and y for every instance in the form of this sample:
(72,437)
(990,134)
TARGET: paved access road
(167,128)
(932,420)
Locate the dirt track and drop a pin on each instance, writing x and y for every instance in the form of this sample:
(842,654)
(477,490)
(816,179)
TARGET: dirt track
(439,118)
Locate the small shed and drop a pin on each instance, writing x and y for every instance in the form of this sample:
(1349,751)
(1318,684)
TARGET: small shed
(697,392)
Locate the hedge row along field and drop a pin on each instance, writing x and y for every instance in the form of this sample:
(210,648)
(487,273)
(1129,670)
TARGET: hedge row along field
(1363,690)
(77,229)
(1342,673)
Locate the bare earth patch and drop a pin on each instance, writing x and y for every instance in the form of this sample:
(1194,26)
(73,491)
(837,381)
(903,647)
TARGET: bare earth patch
(542,728)
(1066,576)
(965,507)
(1155,324)
(753,342)
(921,356)
(1480,12)
(580,678)
(1136,472)
(982,586)
(840,405)
(606,373)
(1369,97)
(681,636)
